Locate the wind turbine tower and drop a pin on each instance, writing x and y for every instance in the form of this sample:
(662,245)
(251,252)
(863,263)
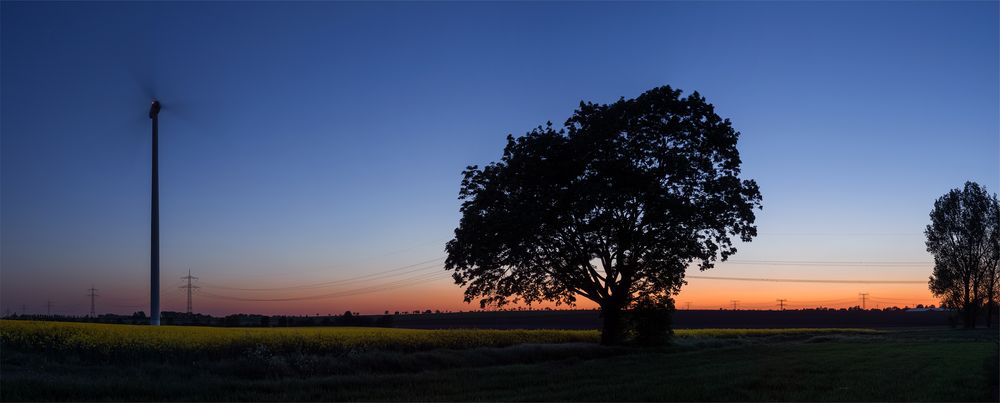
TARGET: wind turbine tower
(154,224)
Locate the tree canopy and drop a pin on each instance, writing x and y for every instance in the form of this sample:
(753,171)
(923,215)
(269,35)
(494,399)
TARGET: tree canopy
(614,205)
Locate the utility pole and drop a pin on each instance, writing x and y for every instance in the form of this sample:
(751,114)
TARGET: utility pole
(93,293)
(189,287)
(781,302)
(734,301)
(864,299)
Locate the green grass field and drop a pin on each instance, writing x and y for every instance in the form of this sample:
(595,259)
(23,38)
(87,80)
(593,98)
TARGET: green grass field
(66,361)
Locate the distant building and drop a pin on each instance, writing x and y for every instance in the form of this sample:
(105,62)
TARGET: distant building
(928,310)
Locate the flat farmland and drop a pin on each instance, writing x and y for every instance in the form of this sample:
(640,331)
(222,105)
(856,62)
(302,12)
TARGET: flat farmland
(46,361)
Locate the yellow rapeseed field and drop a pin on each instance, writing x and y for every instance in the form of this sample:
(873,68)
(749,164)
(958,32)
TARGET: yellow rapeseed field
(134,341)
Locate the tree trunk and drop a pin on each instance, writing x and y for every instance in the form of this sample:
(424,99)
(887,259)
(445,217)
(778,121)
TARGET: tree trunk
(991,305)
(968,313)
(970,316)
(989,314)
(613,329)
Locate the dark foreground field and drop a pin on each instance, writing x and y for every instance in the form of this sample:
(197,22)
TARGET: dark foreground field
(895,365)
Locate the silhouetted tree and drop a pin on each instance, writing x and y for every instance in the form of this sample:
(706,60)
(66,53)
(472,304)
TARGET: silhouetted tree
(962,237)
(614,206)
(992,283)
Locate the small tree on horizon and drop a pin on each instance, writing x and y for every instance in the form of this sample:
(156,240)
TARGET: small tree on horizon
(963,237)
(614,206)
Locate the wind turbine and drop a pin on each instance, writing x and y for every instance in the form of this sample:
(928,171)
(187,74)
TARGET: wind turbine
(154,225)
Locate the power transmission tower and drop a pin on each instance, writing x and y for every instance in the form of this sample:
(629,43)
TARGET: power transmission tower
(190,288)
(24,309)
(864,299)
(734,301)
(781,302)
(688,305)
(93,293)
(48,308)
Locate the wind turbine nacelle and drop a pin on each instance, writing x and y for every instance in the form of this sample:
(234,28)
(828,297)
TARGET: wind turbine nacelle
(154,109)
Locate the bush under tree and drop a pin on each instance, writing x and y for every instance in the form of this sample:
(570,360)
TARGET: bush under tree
(650,319)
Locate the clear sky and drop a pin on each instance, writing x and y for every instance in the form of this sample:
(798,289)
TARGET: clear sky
(312,142)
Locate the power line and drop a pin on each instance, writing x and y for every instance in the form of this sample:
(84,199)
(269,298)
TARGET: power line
(829,263)
(385,276)
(852,234)
(895,299)
(428,277)
(366,290)
(796,280)
(414,280)
(360,259)
(367,277)
(128,306)
(915,301)
(783,303)
(828,301)
(414,268)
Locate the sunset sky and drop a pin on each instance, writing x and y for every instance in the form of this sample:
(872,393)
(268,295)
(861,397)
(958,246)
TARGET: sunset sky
(307,143)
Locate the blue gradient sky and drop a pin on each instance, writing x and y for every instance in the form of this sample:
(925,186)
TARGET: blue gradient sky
(314,141)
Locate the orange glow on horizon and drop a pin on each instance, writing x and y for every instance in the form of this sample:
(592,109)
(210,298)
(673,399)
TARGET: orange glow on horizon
(701,294)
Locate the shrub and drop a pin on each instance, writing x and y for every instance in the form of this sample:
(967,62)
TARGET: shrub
(650,320)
